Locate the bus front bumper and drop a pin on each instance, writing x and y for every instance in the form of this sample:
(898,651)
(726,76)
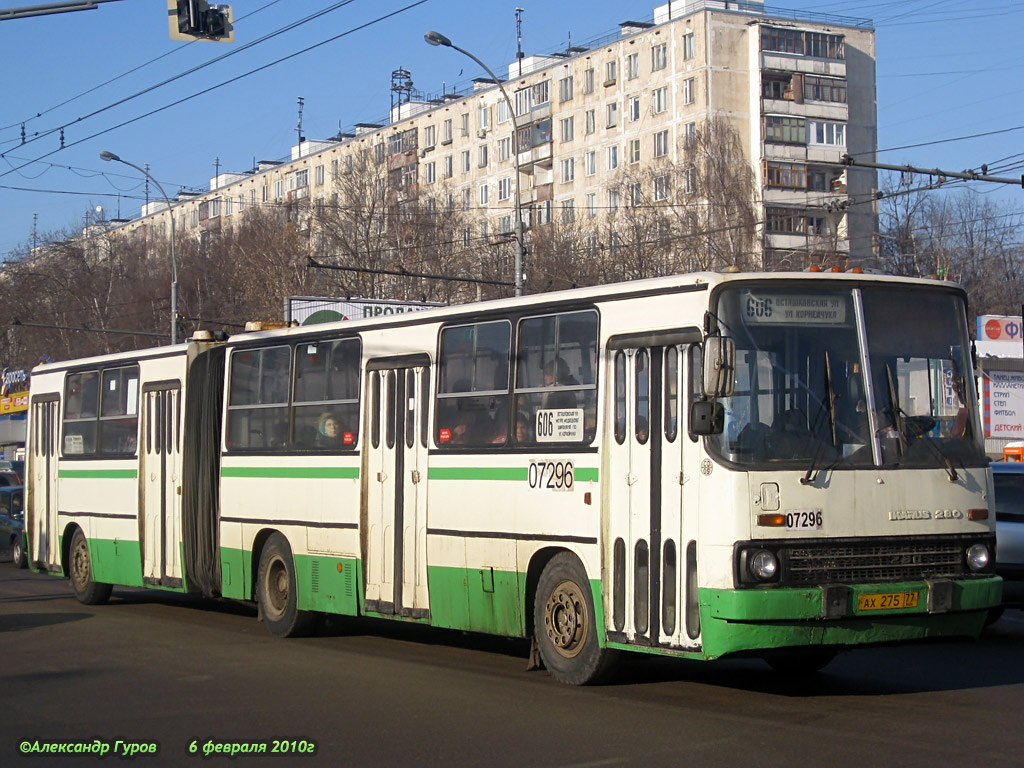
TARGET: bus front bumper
(735,620)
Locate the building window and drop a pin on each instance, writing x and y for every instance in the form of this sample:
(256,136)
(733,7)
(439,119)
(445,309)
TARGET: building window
(302,178)
(568,128)
(446,132)
(777,85)
(504,149)
(829,89)
(590,121)
(590,162)
(802,43)
(465,199)
(431,173)
(613,114)
(780,129)
(688,91)
(484,194)
(465,161)
(532,96)
(568,169)
(568,210)
(661,143)
(613,200)
(613,157)
(484,118)
(505,225)
(464,123)
(504,113)
(659,100)
(690,135)
(690,180)
(661,187)
(588,80)
(448,167)
(430,136)
(610,72)
(634,151)
(633,108)
(278,188)
(565,89)
(659,57)
(505,188)
(632,66)
(787,221)
(785,175)
(482,156)
(826,133)
(318,174)
(591,205)
(636,194)
(688,46)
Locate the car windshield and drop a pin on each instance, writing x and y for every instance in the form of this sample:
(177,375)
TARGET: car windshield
(838,377)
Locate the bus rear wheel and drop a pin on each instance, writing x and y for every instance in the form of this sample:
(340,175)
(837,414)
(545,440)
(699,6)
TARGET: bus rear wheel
(276,592)
(564,626)
(86,589)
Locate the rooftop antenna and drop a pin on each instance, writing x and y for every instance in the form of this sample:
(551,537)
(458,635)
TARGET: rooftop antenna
(146,166)
(299,128)
(401,87)
(216,170)
(519,39)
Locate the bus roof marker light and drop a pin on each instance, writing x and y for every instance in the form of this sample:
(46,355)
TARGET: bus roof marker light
(977,514)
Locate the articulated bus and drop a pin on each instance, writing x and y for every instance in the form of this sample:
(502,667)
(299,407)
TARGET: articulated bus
(773,465)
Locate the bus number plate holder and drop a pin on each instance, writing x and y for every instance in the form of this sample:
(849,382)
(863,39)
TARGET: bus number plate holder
(887,601)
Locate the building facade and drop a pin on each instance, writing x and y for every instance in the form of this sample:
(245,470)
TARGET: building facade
(614,124)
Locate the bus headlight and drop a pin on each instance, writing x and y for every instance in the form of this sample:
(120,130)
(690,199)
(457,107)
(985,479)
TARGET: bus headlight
(978,557)
(763,565)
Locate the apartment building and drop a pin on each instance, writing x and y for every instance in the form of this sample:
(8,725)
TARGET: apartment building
(797,88)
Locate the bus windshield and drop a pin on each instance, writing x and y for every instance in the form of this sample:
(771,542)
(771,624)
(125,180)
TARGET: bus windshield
(828,377)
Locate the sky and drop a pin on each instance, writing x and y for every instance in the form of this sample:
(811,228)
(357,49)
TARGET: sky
(112,79)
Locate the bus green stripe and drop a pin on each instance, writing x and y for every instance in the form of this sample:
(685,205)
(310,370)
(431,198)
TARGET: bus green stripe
(107,474)
(303,473)
(520,474)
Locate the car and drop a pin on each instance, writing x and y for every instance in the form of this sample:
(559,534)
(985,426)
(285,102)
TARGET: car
(1009,504)
(12,524)
(9,477)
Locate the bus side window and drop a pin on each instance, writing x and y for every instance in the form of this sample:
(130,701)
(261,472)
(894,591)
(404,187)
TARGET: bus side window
(671,375)
(472,401)
(620,397)
(694,386)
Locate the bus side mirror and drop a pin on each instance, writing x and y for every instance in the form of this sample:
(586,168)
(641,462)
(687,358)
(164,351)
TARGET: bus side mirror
(707,417)
(719,366)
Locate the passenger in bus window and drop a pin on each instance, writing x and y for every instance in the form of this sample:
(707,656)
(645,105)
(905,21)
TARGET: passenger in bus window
(329,433)
(556,374)
(524,427)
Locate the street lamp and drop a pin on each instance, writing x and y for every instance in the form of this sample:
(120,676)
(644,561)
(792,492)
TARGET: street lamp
(436,38)
(104,155)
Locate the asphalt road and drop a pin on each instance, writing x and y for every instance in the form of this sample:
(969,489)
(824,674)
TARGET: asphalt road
(153,668)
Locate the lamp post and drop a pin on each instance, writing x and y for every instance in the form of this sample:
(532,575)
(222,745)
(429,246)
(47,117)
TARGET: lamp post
(104,155)
(436,38)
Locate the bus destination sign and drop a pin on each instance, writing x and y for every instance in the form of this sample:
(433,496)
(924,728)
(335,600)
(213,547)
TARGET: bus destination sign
(793,309)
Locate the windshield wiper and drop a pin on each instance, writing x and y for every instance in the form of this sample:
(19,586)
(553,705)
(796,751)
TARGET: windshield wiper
(830,407)
(900,419)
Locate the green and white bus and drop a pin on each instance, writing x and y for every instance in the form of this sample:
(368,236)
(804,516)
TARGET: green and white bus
(776,465)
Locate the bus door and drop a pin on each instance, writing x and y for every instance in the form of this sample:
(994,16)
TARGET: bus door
(652,534)
(44,533)
(159,484)
(394,527)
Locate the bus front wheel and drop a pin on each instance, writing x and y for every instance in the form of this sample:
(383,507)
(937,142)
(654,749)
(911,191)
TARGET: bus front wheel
(277,594)
(87,590)
(564,627)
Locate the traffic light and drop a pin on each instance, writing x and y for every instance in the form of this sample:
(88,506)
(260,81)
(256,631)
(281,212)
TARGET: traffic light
(198,20)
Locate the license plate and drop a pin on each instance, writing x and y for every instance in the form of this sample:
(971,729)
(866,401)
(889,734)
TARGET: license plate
(884,601)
